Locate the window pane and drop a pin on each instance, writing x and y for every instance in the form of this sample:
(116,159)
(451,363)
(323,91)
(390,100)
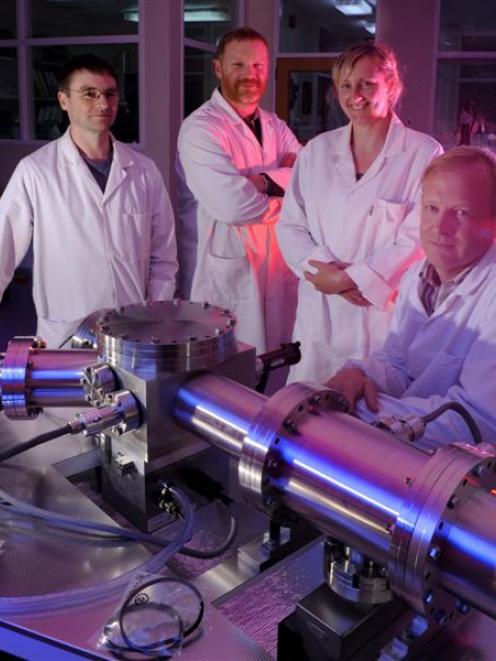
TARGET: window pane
(465,103)
(207,21)
(9,103)
(467,25)
(308,26)
(82,18)
(50,121)
(7,19)
(199,79)
(313,105)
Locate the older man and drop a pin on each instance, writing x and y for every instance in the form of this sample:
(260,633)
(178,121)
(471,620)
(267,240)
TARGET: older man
(442,343)
(234,163)
(97,211)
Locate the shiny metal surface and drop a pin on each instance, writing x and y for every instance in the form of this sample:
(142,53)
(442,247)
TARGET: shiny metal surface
(223,417)
(390,500)
(33,378)
(15,400)
(419,543)
(166,336)
(471,540)
(86,334)
(282,414)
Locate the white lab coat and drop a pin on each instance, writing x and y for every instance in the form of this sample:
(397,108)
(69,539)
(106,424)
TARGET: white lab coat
(372,223)
(91,249)
(226,228)
(449,356)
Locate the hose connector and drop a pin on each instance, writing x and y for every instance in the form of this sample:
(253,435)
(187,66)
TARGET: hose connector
(120,414)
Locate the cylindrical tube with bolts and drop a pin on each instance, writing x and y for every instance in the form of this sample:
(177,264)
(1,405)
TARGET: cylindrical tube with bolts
(429,517)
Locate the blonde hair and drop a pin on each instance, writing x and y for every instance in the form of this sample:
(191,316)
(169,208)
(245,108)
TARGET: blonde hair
(383,56)
(466,156)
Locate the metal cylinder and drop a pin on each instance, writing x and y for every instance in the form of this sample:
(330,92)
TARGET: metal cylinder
(32,377)
(471,538)
(50,369)
(222,413)
(426,515)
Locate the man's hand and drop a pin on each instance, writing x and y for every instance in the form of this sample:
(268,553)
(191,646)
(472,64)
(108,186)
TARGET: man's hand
(352,384)
(330,278)
(287,160)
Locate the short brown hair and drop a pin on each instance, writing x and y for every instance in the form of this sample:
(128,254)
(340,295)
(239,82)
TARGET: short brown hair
(384,57)
(465,155)
(87,61)
(239,34)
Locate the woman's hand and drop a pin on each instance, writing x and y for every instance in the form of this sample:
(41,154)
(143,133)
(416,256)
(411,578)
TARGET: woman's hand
(354,297)
(331,278)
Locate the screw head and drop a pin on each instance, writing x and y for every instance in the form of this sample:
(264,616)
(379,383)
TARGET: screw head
(434,552)
(428,597)
(440,616)
(453,502)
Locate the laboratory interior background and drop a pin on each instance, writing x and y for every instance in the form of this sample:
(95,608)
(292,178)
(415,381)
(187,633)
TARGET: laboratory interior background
(162,51)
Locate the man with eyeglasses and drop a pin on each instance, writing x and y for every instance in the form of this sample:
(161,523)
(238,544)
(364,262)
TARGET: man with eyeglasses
(234,163)
(97,211)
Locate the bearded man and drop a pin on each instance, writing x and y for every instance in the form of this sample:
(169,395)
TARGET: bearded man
(234,163)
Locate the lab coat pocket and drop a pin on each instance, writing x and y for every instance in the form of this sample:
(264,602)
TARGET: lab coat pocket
(134,241)
(437,375)
(230,280)
(384,222)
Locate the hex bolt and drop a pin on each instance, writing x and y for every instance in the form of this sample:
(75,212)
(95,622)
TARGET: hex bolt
(434,552)
(316,400)
(290,425)
(428,597)
(440,616)
(462,607)
(478,470)
(453,502)
(219,331)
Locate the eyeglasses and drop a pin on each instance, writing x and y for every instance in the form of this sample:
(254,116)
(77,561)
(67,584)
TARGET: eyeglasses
(93,94)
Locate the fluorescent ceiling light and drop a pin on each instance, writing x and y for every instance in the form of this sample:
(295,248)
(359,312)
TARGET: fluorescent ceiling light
(369,26)
(131,15)
(353,7)
(206,15)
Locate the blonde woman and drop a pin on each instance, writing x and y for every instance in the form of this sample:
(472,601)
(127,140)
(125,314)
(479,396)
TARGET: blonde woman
(349,223)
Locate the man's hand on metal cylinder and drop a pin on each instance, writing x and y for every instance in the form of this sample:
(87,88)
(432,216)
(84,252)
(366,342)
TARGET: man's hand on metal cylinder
(353,384)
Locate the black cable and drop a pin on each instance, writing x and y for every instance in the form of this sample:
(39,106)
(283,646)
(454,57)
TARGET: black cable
(196,480)
(33,442)
(462,411)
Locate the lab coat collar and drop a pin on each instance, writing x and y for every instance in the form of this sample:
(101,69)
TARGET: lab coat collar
(394,143)
(471,285)
(123,159)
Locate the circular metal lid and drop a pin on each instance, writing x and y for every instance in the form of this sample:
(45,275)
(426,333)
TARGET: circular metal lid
(166,336)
